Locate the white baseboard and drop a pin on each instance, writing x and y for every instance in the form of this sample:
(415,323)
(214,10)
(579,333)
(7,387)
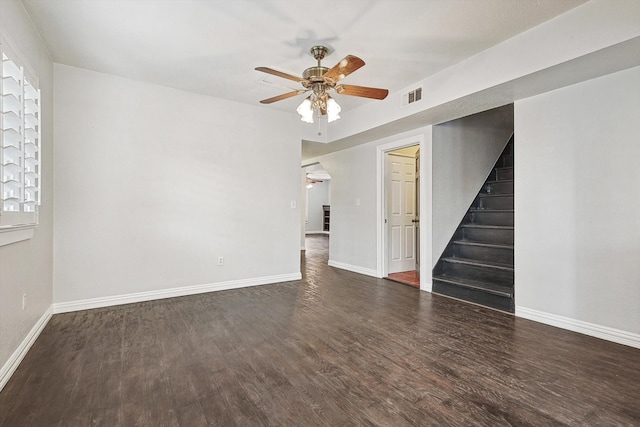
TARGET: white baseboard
(12,364)
(355,268)
(610,334)
(88,304)
(426,287)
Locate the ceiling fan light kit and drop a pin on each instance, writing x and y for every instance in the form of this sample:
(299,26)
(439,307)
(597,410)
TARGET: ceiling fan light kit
(319,81)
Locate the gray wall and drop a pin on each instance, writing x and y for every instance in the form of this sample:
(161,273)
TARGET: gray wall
(353,228)
(149,196)
(577,201)
(27,266)
(317,196)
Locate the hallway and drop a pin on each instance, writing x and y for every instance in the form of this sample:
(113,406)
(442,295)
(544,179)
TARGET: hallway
(336,348)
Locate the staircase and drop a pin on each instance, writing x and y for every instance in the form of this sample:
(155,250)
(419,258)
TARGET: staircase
(477,265)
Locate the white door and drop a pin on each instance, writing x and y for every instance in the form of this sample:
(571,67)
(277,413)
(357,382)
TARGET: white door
(400,213)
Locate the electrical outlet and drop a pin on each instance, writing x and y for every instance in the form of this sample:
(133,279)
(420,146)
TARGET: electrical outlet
(220,260)
(24,301)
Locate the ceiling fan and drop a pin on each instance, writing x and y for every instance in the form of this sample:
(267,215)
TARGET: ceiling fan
(319,81)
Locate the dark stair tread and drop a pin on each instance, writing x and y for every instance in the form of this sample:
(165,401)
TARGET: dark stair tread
(488,227)
(481,244)
(477,263)
(490,210)
(495,181)
(492,288)
(484,195)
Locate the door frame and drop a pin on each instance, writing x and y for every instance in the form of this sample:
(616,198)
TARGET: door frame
(424,140)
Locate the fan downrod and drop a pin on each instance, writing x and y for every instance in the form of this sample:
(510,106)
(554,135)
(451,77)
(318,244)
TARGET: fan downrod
(314,74)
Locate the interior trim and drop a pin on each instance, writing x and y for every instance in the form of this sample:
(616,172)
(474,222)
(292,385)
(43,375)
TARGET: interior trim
(91,303)
(354,268)
(15,234)
(14,360)
(604,332)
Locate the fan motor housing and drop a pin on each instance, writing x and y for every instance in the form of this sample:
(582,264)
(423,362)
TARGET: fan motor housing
(314,73)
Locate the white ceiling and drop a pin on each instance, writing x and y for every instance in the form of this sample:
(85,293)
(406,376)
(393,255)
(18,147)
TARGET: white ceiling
(211,47)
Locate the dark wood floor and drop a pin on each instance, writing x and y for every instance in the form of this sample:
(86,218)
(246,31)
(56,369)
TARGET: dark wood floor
(334,349)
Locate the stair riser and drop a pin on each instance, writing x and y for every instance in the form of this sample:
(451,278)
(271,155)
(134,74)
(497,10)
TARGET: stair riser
(475,272)
(483,253)
(508,151)
(499,188)
(487,235)
(501,202)
(506,161)
(504,173)
(489,218)
(475,296)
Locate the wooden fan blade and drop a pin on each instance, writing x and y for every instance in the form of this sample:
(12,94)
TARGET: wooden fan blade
(365,92)
(281,97)
(279,74)
(343,68)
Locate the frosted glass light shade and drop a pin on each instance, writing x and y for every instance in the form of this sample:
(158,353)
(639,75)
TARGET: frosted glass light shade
(333,110)
(305,111)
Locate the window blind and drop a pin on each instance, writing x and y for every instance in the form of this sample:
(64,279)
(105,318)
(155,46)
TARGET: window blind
(20,157)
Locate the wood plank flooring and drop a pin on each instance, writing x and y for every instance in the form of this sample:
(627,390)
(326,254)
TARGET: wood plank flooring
(334,349)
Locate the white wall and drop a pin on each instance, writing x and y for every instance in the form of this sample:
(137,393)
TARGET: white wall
(577,247)
(464,152)
(354,203)
(317,196)
(26,267)
(353,228)
(303,211)
(153,184)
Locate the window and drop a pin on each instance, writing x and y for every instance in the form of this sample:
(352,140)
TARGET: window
(20,158)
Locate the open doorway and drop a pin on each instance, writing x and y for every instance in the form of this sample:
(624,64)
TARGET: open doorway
(317,219)
(402,215)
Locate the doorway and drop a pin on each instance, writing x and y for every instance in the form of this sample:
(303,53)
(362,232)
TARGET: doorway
(402,215)
(316,199)
(318,202)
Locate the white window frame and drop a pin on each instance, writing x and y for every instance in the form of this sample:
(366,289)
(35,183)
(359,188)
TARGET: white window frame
(20,146)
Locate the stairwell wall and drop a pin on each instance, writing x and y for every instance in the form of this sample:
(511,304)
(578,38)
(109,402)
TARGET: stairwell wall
(464,152)
(577,181)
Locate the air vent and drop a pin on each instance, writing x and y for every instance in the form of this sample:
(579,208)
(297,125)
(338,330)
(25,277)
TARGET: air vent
(412,96)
